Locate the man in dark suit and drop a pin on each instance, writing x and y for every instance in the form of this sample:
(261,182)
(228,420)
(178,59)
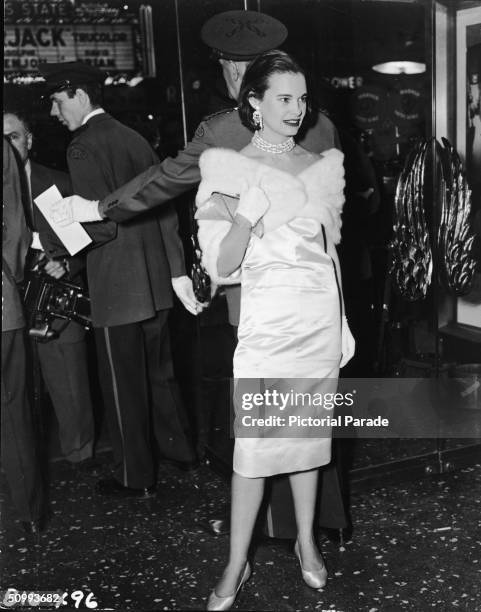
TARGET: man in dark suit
(235,37)
(63,360)
(19,457)
(131,270)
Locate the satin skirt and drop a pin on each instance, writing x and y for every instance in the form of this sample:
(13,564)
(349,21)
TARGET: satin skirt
(289,331)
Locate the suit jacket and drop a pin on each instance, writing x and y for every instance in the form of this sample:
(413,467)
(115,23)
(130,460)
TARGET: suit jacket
(42,178)
(15,240)
(173,177)
(129,267)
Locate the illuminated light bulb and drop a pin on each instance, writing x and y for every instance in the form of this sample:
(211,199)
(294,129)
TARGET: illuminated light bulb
(400,67)
(135,80)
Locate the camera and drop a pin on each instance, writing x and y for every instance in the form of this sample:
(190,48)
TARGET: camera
(46,299)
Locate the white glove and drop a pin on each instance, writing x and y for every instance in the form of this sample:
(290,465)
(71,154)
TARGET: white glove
(348,344)
(253,204)
(182,286)
(74,208)
(36,244)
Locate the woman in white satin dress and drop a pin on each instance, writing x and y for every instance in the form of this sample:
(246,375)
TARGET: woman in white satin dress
(279,236)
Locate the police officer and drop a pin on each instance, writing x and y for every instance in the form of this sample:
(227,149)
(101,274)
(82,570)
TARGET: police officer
(235,37)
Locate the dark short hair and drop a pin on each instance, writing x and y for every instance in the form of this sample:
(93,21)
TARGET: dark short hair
(20,115)
(93,90)
(256,80)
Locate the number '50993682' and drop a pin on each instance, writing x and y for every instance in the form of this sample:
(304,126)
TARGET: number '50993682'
(11,598)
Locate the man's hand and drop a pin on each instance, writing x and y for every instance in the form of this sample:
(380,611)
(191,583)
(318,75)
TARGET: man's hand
(54,268)
(182,286)
(36,244)
(74,208)
(348,344)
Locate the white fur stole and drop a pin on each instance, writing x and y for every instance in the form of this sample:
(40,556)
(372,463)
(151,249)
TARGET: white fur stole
(317,192)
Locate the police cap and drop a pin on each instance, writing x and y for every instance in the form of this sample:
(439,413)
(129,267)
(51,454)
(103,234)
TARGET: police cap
(61,75)
(242,35)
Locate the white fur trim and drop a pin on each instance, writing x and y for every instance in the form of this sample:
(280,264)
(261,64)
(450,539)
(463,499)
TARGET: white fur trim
(324,182)
(317,192)
(231,173)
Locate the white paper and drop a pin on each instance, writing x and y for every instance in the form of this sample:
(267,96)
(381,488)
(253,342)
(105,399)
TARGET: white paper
(73,236)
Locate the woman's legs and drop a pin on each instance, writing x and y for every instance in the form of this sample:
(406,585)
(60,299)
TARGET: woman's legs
(246,497)
(304,492)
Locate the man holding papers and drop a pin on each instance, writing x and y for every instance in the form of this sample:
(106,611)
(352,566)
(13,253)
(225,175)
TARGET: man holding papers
(131,270)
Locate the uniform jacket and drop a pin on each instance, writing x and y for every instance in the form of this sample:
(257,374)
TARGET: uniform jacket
(15,241)
(129,266)
(172,177)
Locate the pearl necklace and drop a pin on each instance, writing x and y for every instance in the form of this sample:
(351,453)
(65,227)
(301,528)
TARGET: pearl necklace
(278,149)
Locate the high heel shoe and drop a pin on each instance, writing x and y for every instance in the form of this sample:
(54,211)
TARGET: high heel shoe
(315,579)
(225,603)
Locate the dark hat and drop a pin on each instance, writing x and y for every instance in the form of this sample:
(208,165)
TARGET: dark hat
(242,35)
(69,74)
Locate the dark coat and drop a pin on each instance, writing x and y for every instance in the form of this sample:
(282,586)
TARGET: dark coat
(42,178)
(15,240)
(129,267)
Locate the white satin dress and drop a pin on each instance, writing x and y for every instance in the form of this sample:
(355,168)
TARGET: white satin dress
(290,315)
(290,327)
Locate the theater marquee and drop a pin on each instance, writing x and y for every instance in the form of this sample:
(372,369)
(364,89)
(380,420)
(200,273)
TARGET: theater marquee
(110,47)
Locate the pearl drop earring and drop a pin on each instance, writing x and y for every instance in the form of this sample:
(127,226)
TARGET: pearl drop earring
(257,119)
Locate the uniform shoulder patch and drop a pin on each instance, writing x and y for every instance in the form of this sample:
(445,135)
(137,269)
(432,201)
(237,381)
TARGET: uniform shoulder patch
(77,153)
(214,121)
(225,111)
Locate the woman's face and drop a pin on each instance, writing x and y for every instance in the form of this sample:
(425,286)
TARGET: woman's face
(283,106)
